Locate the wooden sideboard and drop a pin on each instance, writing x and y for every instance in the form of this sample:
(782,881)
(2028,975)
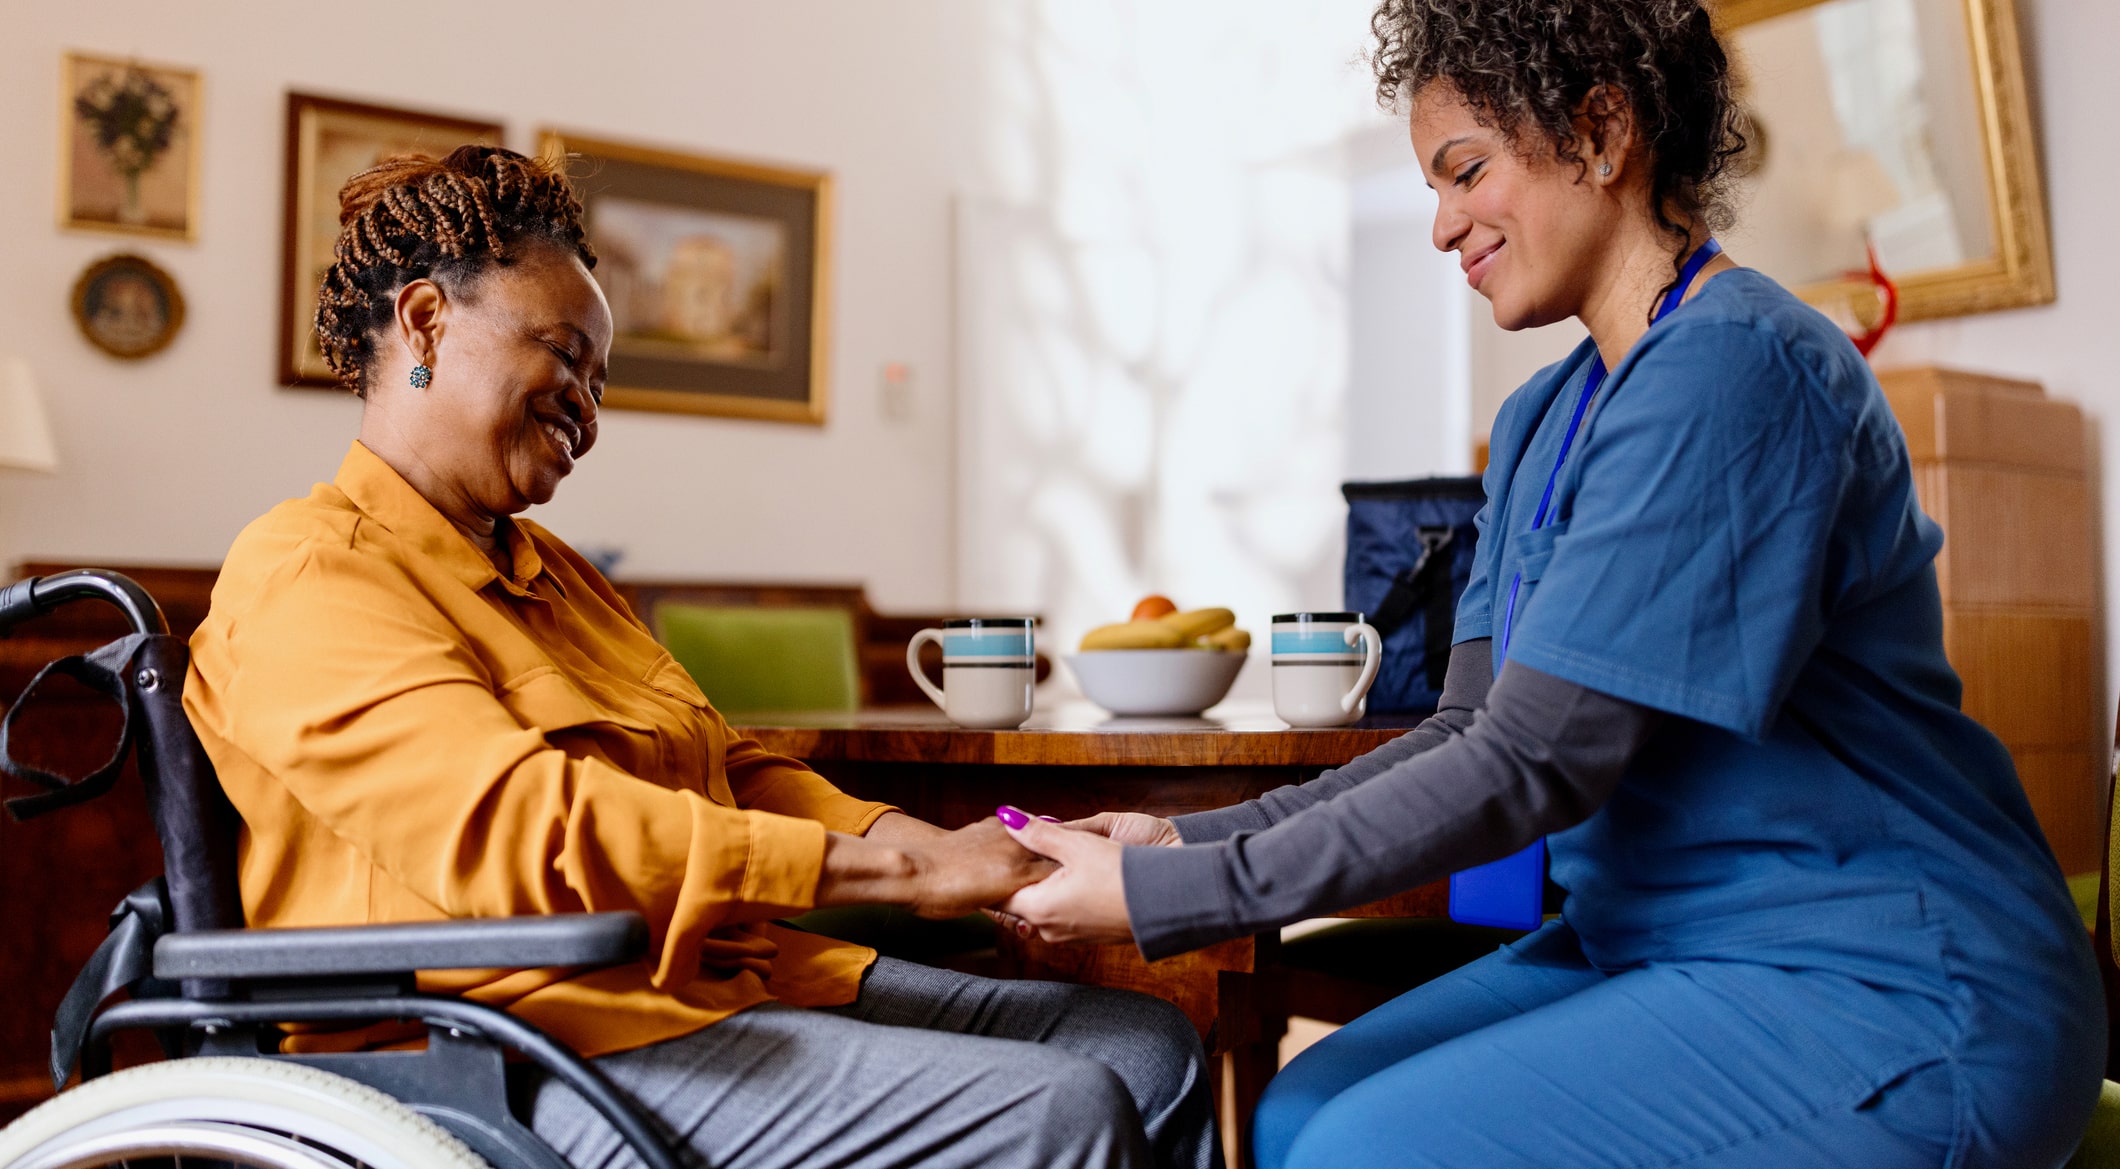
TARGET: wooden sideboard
(2007,472)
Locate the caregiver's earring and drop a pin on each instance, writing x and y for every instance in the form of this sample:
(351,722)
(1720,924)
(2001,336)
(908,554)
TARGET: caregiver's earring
(1604,171)
(421,375)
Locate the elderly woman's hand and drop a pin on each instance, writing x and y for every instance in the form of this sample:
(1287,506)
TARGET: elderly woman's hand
(935,874)
(1085,901)
(975,867)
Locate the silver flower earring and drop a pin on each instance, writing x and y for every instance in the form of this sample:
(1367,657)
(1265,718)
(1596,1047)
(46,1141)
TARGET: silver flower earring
(421,375)
(1604,171)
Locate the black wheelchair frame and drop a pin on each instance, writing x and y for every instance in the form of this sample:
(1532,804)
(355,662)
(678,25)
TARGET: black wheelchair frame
(206,986)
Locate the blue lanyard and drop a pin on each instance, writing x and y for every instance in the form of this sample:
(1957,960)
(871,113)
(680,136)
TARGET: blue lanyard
(1672,299)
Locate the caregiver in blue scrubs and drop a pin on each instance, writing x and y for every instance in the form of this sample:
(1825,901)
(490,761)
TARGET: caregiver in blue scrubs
(1810,919)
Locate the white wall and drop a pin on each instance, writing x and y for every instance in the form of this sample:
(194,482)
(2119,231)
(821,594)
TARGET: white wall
(1154,313)
(1409,384)
(166,459)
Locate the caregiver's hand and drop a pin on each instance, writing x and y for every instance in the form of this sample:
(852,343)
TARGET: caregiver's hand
(948,875)
(1085,901)
(1129,828)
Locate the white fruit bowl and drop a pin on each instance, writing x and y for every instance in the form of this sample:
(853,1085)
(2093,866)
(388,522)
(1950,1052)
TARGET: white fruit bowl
(1155,682)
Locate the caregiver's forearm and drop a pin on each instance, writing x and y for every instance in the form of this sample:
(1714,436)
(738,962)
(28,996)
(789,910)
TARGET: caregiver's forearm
(1465,685)
(1542,757)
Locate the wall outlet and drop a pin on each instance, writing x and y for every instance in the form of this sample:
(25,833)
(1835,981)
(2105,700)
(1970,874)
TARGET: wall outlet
(894,392)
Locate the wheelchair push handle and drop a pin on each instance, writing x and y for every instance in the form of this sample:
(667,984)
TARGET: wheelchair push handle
(41,594)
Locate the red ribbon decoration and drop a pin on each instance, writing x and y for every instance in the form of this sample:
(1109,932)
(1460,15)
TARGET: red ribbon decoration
(1887,292)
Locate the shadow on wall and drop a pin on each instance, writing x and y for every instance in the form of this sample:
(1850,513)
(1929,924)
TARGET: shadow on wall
(1152,312)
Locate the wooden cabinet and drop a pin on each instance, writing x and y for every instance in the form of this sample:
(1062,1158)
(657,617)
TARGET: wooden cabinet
(2007,472)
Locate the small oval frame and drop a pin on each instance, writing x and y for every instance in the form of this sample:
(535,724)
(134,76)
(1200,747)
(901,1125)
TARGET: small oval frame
(96,276)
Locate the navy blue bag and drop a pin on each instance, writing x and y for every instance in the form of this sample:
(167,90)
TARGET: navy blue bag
(1409,557)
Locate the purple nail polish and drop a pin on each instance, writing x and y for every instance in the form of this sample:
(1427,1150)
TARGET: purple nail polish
(1013,817)
(1050,819)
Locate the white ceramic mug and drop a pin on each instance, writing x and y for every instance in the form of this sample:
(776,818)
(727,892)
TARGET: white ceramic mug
(988,667)
(1319,678)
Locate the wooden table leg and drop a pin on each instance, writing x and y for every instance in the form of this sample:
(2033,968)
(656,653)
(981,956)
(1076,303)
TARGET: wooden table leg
(1233,991)
(1254,1017)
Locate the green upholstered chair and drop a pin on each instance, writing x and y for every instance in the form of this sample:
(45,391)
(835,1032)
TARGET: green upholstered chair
(2101,1145)
(749,659)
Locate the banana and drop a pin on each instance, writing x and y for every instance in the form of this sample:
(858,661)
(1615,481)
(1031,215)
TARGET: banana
(1230,640)
(1156,634)
(1198,623)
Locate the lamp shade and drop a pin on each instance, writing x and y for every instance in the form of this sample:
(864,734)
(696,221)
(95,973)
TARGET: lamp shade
(25,432)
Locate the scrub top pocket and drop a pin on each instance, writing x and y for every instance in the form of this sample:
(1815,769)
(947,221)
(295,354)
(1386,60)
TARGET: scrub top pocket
(1532,552)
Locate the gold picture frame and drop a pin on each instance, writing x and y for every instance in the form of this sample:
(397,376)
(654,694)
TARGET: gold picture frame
(2019,270)
(129,147)
(719,276)
(329,140)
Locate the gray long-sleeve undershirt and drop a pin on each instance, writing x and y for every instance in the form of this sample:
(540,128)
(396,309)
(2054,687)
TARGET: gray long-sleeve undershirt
(1493,770)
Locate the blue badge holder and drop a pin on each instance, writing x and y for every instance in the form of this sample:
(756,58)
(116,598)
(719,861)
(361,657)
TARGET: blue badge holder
(1509,893)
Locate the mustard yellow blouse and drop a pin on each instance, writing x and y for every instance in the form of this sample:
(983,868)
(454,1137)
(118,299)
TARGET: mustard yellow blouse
(410,736)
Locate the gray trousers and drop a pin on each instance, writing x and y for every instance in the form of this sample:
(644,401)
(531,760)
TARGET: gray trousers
(928,1067)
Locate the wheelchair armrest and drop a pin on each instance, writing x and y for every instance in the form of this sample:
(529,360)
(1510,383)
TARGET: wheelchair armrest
(572,939)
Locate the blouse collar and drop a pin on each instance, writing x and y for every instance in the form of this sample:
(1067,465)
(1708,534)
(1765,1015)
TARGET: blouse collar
(382,495)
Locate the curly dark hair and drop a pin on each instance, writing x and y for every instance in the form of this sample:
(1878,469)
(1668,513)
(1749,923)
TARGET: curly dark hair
(1527,66)
(450,220)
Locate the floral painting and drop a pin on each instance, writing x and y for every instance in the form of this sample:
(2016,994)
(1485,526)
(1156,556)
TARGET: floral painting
(130,137)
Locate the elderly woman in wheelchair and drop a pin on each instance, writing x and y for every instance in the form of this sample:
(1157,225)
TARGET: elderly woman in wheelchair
(428,712)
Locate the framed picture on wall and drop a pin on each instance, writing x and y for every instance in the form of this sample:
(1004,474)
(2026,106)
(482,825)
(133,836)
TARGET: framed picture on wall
(129,147)
(718,276)
(328,142)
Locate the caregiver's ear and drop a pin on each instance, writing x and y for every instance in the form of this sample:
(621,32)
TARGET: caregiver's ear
(1605,134)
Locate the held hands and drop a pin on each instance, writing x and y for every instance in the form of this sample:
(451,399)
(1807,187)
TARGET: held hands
(1129,828)
(970,869)
(1085,900)
(1001,862)
(934,873)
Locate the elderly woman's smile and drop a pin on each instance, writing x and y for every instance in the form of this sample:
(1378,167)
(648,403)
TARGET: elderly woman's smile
(516,361)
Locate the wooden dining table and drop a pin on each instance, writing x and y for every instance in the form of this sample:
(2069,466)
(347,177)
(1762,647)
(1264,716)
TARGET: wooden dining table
(1073,760)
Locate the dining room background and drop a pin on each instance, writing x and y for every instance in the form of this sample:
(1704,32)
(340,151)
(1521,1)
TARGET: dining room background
(1120,290)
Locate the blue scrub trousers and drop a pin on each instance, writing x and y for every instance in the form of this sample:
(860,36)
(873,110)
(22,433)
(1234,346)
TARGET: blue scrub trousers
(1532,1057)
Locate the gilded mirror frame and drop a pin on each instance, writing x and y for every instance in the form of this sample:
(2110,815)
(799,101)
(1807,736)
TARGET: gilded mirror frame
(2021,272)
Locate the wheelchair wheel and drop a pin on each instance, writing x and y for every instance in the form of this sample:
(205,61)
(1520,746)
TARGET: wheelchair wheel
(259,1113)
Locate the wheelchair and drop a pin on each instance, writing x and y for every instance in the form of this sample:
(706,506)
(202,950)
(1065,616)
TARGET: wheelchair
(217,996)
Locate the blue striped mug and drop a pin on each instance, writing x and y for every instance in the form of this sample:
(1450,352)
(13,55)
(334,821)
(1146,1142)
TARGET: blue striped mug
(1320,678)
(989,665)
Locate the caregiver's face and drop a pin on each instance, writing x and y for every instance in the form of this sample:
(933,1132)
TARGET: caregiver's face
(1526,226)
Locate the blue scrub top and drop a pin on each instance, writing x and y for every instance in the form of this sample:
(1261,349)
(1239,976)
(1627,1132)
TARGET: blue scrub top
(1737,542)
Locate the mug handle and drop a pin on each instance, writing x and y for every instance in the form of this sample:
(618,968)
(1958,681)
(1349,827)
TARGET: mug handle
(1372,657)
(912,662)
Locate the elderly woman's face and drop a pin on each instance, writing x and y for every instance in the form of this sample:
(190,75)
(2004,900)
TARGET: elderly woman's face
(518,371)
(1526,226)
